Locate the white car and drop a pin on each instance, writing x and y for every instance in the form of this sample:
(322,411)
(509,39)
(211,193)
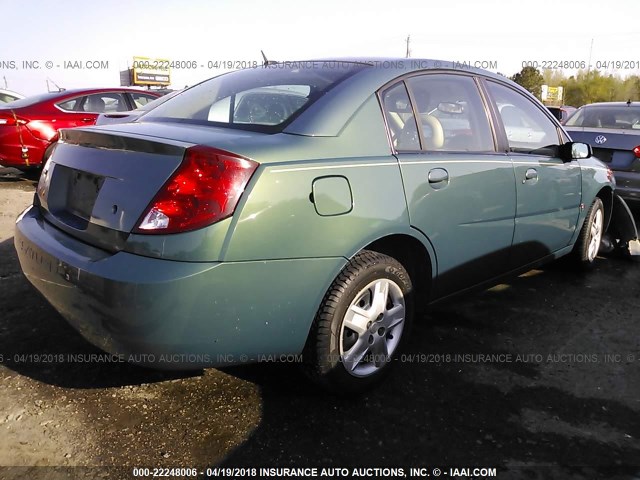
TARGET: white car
(7,96)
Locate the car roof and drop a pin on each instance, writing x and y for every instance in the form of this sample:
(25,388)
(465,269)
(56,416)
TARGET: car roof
(613,104)
(397,64)
(88,90)
(328,115)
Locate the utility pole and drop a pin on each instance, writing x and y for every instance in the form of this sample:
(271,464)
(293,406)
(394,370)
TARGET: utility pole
(590,52)
(408,49)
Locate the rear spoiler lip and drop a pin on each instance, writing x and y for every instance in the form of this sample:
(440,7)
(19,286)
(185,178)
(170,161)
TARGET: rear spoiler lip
(111,140)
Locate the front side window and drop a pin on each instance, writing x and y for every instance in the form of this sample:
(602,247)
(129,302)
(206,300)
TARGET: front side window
(260,99)
(527,127)
(451,113)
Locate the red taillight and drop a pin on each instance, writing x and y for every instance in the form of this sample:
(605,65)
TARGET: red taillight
(204,189)
(636,151)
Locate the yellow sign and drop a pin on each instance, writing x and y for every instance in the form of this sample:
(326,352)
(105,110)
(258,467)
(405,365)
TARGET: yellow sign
(552,94)
(151,71)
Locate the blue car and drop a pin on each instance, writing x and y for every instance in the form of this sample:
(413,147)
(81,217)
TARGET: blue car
(613,131)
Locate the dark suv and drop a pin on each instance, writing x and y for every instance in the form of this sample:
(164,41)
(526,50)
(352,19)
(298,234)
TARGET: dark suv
(562,113)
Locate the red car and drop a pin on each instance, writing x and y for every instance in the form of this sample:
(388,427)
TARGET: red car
(29,127)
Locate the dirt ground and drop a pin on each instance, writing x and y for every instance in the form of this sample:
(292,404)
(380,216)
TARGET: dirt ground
(540,375)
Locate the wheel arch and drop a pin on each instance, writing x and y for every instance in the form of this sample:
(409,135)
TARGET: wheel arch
(606,195)
(415,257)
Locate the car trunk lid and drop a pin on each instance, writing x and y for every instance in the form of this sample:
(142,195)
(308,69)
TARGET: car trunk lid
(612,146)
(98,184)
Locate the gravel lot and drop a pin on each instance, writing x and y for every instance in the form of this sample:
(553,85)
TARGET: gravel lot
(561,401)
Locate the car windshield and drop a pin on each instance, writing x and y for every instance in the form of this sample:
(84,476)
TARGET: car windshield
(261,99)
(623,117)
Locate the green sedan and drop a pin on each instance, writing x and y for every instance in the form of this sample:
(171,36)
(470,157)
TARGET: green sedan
(305,210)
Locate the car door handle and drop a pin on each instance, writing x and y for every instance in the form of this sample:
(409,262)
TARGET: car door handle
(438,175)
(530,174)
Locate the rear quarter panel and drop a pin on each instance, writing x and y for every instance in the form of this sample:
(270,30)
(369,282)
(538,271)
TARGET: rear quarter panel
(278,219)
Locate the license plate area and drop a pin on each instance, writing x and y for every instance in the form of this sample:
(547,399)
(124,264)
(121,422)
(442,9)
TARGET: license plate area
(82,191)
(71,196)
(603,154)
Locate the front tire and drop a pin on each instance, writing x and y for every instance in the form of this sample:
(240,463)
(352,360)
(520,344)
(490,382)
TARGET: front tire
(588,243)
(361,324)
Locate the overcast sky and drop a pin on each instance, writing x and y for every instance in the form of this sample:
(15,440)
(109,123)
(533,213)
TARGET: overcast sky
(505,34)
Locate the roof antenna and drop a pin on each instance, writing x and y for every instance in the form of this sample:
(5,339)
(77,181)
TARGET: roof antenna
(266,62)
(60,89)
(629,103)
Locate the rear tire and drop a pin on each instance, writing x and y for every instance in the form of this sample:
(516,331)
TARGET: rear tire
(361,324)
(588,243)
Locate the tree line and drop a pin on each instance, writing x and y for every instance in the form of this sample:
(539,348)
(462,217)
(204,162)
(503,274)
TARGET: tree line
(586,86)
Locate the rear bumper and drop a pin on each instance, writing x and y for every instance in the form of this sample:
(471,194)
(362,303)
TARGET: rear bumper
(174,315)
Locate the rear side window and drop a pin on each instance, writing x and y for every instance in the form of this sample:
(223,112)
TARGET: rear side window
(400,119)
(70,105)
(104,103)
(527,127)
(261,99)
(451,113)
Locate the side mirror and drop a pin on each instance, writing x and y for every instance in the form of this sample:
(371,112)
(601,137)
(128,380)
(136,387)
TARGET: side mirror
(575,151)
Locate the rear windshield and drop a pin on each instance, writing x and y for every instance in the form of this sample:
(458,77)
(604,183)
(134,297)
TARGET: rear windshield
(623,117)
(262,99)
